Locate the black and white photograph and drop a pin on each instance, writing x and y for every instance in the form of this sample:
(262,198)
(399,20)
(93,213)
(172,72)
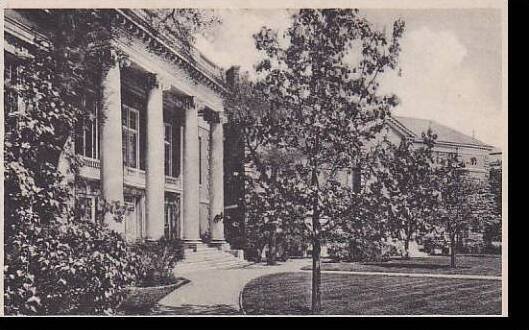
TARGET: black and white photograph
(229,158)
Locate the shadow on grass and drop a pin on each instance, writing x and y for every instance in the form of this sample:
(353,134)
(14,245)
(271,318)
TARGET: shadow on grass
(411,265)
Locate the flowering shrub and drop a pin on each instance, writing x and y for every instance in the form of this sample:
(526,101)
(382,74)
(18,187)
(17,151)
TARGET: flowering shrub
(78,267)
(154,262)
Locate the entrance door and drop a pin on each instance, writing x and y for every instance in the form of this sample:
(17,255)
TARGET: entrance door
(172,215)
(134,217)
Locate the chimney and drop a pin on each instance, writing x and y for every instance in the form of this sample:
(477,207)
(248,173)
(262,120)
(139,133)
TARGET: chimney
(233,76)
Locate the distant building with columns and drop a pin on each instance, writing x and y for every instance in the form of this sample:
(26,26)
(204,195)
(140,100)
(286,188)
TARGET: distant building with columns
(159,150)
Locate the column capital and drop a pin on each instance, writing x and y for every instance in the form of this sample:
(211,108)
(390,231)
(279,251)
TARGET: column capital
(213,116)
(110,56)
(156,80)
(188,101)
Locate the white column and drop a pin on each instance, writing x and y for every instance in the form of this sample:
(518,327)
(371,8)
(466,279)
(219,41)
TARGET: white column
(191,180)
(216,189)
(154,171)
(111,153)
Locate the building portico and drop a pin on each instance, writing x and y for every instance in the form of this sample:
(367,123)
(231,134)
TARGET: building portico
(152,145)
(200,129)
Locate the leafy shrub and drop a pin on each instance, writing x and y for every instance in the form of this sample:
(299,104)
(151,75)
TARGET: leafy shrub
(360,250)
(77,267)
(154,262)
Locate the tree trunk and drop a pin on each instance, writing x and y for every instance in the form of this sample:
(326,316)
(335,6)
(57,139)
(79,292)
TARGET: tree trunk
(316,249)
(271,258)
(316,275)
(452,252)
(259,253)
(407,248)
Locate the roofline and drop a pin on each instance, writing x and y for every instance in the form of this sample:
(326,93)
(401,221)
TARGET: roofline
(456,144)
(399,126)
(402,127)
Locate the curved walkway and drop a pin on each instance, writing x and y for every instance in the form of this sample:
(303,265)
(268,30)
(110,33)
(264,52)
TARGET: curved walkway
(216,291)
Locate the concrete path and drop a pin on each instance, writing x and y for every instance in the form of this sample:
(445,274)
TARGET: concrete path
(217,291)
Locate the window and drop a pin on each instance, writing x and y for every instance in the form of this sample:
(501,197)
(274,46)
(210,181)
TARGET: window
(356,180)
(134,224)
(130,136)
(168,149)
(473,161)
(86,131)
(172,216)
(11,82)
(86,206)
(199,160)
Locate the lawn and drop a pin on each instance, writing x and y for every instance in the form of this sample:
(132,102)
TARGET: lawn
(350,294)
(468,265)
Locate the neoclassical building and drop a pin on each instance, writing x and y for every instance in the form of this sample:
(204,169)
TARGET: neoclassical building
(159,150)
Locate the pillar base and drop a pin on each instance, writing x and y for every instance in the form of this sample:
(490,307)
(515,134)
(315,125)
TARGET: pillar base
(220,244)
(192,244)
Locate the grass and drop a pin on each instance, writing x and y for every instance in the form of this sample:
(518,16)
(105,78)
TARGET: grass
(350,294)
(467,265)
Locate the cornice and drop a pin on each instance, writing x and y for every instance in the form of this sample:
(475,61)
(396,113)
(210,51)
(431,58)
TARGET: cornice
(25,33)
(137,26)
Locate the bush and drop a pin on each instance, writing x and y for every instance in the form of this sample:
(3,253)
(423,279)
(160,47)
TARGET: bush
(360,250)
(69,268)
(155,261)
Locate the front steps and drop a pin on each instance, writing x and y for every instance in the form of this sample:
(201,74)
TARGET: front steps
(207,258)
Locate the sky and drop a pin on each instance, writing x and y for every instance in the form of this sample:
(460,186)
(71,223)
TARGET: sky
(451,62)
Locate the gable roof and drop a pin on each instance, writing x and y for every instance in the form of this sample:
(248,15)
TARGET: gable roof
(414,127)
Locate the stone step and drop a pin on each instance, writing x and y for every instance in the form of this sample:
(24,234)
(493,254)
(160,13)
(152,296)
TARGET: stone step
(206,262)
(193,268)
(208,256)
(224,262)
(203,254)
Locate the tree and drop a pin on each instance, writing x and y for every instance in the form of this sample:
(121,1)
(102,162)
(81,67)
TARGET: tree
(493,229)
(323,109)
(464,201)
(408,175)
(184,24)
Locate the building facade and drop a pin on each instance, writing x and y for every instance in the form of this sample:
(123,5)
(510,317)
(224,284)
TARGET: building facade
(159,150)
(449,143)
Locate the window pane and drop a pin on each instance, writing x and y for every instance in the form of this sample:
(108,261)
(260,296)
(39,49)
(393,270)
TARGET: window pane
(124,116)
(176,151)
(85,208)
(168,137)
(89,152)
(10,96)
(133,120)
(124,144)
(79,148)
(133,151)
(167,159)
